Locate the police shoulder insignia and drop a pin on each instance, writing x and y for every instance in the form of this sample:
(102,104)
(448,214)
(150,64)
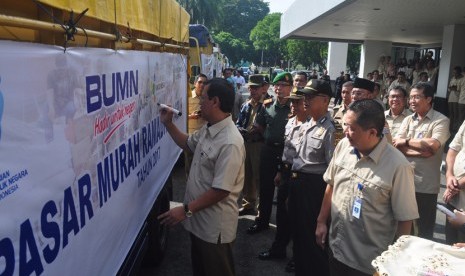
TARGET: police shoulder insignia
(320,131)
(267,101)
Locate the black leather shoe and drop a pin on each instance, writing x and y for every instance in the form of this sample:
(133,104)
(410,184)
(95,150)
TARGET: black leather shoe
(256,228)
(245,212)
(272,254)
(290,267)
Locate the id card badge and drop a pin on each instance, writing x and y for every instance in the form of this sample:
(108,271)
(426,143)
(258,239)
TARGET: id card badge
(357,208)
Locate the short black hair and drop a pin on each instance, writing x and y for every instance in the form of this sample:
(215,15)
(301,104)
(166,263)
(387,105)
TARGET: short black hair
(302,73)
(458,69)
(399,88)
(370,114)
(401,73)
(428,89)
(200,76)
(218,87)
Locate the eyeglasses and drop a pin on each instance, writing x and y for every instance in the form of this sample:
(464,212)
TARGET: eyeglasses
(396,97)
(416,97)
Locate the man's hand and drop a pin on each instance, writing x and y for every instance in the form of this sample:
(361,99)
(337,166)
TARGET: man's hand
(452,183)
(459,218)
(448,195)
(399,142)
(173,216)
(166,116)
(320,234)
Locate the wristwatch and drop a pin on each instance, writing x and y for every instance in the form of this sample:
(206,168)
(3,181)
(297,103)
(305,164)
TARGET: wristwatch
(187,211)
(407,141)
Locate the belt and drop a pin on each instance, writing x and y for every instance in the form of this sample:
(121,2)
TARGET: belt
(297,175)
(274,144)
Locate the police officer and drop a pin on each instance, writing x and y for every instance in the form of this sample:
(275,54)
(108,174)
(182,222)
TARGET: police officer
(271,121)
(283,231)
(314,151)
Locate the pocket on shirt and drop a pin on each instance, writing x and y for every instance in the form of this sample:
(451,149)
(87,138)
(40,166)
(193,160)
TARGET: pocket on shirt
(315,143)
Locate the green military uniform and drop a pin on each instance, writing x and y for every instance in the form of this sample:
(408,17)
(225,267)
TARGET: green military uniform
(274,118)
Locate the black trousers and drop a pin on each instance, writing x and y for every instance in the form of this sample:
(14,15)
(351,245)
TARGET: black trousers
(270,158)
(338,98)
(338,268)
(306,192)
(427,210)
(283,229)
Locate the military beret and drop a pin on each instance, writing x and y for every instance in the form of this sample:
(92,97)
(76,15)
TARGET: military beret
(284,77)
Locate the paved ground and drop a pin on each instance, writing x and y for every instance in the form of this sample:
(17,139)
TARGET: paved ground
(177,260)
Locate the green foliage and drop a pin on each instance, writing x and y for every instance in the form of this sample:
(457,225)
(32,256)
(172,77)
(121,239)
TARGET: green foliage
(233,47)
(240,16)
(265,36)
(353,57)
(310,54)
(206,12)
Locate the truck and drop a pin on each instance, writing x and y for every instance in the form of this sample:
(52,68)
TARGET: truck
(85,163)
(204,54)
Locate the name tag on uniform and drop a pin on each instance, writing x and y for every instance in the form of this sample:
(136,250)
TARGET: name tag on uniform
(357,208)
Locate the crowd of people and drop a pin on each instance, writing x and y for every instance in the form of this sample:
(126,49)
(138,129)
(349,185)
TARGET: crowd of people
(349,180)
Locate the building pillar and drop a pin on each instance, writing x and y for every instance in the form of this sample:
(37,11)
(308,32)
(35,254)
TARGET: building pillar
(337,58)
(453,54)
(371,52)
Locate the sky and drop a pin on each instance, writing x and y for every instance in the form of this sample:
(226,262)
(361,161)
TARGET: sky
(279,5)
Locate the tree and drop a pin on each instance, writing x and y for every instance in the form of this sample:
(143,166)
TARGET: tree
(206,12)
(240,16)
(307,53)
(265,37)
(234,48)
(353,57)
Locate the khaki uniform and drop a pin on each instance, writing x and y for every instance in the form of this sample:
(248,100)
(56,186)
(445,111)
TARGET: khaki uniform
(339,112)
(193,105)
(434,125)
(454,235)
(394,123)
(456,102)
(253,141)
(383,181)
(218,162)
(427,174)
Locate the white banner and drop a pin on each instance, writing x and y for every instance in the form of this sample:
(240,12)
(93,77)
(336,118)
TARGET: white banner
(211,66)
(83,154)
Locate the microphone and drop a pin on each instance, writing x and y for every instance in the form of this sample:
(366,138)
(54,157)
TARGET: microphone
(175,111)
